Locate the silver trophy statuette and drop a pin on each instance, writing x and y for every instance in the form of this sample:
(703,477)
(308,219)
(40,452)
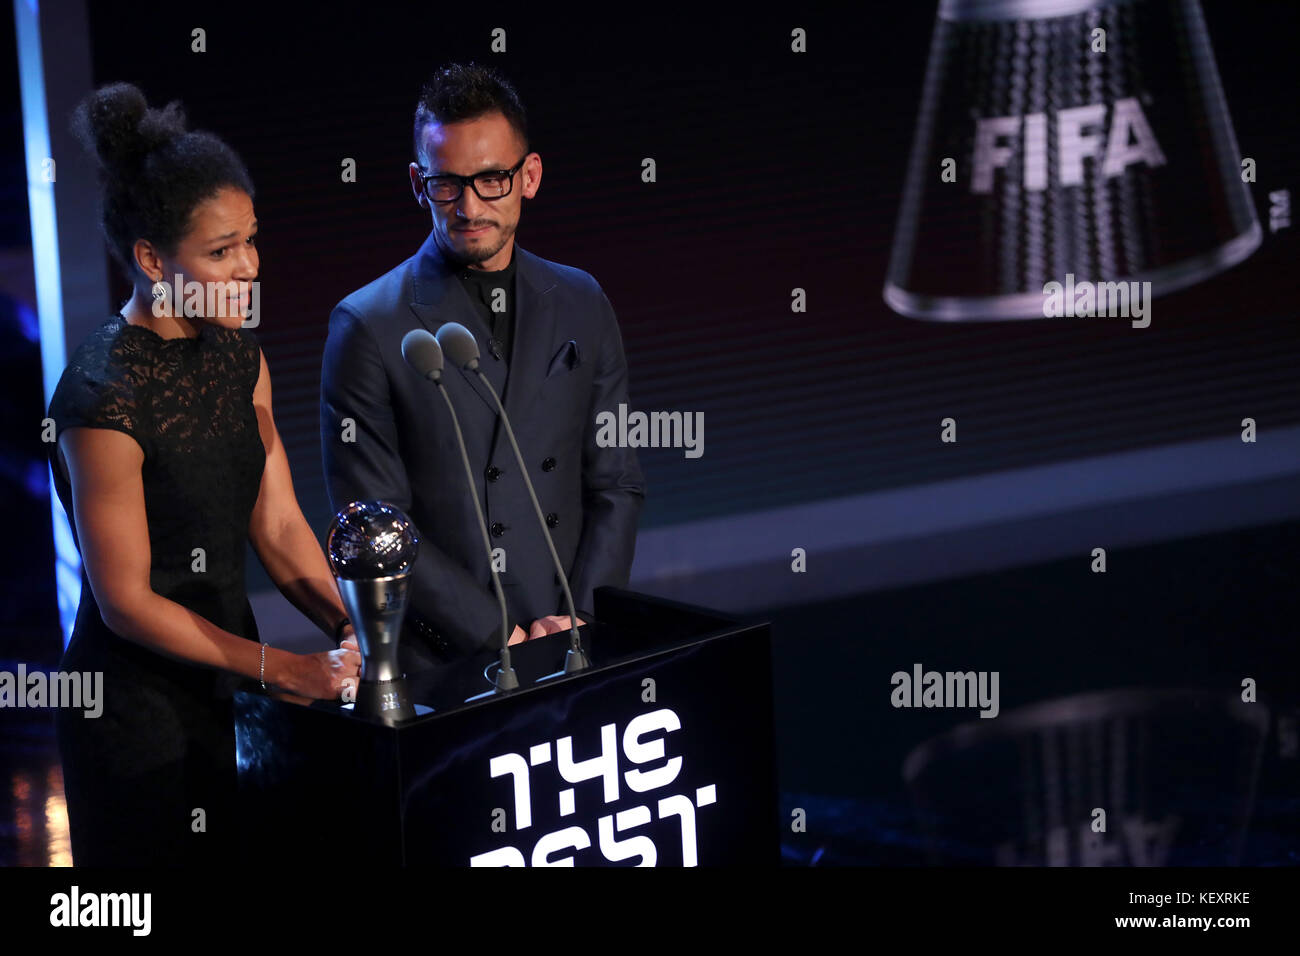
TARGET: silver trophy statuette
(371,548)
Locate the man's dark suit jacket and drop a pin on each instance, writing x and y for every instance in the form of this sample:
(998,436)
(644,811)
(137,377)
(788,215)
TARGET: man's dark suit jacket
(566,366)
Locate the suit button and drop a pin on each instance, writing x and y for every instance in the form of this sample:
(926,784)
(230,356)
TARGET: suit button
(498,529)
(492,473)
(548,464)
(552,520)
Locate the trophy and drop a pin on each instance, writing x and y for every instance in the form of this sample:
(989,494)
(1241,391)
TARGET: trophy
(371,548)
(1086,138)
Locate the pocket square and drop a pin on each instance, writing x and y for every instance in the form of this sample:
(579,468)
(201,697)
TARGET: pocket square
(566,359)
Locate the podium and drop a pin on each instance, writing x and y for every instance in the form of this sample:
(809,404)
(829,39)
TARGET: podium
(662,753)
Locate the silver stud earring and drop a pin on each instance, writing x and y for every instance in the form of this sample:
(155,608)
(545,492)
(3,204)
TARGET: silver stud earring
(159,290)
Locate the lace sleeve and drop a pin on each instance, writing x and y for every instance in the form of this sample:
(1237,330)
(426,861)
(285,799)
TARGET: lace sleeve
(104,388)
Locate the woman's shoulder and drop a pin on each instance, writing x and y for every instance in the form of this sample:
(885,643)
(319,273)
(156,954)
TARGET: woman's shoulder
(105,381)
(243,349)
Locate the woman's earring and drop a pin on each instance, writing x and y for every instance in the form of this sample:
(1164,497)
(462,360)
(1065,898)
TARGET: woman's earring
(159,290)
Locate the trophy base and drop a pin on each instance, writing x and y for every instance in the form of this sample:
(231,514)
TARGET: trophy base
(385,700)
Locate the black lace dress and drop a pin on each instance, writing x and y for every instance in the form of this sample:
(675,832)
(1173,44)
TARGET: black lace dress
(164,746)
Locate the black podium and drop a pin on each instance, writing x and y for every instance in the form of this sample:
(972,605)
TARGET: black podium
(660,754)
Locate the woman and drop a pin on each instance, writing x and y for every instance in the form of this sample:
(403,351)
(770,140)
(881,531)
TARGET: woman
(169,463)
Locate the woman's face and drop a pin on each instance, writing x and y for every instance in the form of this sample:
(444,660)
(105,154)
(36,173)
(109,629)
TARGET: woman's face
(217,262)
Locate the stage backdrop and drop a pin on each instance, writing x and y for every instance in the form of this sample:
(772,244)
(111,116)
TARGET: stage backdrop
(806,269)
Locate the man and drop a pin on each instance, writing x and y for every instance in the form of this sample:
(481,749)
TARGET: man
(549,343)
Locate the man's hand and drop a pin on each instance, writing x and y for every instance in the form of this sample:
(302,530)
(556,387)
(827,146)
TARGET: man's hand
(517,636)
(551,624)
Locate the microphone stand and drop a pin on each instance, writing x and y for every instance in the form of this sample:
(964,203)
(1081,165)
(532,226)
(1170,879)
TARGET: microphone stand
(575,659)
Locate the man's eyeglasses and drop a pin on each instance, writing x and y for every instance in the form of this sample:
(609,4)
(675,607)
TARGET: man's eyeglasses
(488,185)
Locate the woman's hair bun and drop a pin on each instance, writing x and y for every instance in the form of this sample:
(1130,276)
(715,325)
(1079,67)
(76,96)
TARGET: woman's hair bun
(117,125)
(153,171)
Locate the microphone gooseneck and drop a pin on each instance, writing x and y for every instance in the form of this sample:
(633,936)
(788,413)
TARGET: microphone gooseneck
(459,345)
(423,353)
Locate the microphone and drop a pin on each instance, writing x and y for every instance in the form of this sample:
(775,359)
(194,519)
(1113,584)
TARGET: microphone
(460,347)
(423,353)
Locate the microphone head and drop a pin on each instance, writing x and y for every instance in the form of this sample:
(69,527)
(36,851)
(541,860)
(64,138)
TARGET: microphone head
(422,353)
(459,344)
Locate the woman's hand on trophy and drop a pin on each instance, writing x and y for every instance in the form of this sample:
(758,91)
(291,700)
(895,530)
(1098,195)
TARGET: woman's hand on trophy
(326,675)
(350,684)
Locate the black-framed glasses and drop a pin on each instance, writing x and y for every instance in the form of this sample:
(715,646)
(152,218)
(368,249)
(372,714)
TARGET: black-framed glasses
(488,185)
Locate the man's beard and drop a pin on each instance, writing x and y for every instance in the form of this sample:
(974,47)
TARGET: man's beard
(480,252)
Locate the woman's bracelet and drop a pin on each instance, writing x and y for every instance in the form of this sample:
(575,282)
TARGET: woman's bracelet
(338,630)
(261,673)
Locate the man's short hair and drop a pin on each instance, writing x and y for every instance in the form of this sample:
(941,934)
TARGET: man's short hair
(458,92)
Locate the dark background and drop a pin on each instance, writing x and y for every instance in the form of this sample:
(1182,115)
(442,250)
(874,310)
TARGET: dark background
(775,171)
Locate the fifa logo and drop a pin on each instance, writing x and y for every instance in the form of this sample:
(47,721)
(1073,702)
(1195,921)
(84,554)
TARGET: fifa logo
(1117,137)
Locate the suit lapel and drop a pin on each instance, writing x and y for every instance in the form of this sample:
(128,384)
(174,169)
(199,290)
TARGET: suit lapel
(530,350)
(437,297)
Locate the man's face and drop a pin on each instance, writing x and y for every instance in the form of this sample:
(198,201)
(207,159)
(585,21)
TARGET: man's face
(469,230)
